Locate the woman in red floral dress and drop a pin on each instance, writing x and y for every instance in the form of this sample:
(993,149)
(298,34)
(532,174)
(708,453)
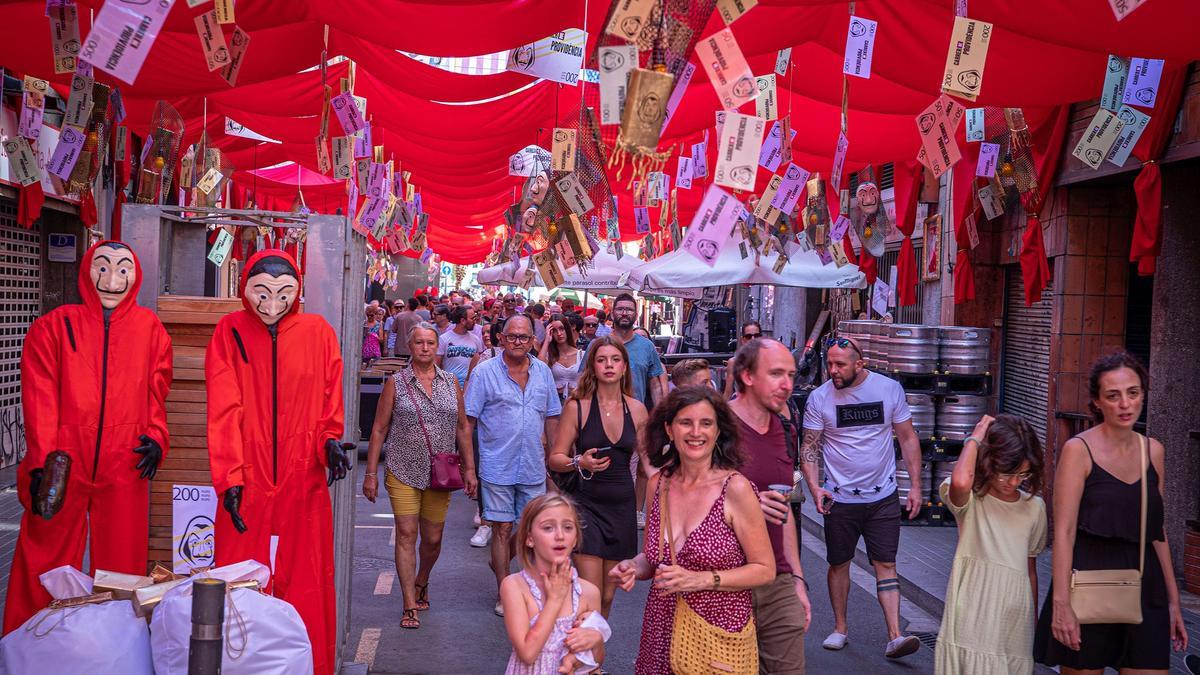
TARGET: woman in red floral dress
(721,545)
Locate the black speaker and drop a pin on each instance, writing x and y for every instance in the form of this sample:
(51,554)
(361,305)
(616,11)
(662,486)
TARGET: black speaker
(722,330)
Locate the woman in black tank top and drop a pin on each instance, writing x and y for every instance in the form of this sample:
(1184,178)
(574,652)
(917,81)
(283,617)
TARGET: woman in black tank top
(598,437)
(1097,525)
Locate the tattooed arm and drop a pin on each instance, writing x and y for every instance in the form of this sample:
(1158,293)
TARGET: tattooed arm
(810,456)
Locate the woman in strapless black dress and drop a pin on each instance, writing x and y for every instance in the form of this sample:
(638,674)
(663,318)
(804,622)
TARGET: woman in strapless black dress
(598,438)
(1097,523)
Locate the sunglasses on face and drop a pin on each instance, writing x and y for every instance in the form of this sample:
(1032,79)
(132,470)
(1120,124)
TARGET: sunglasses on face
(751,336)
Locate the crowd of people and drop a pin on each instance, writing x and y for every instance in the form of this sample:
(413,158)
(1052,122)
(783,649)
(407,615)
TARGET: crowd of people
(568,431)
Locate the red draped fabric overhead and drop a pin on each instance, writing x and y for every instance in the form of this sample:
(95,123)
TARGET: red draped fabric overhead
(1147,228)
(1043,56)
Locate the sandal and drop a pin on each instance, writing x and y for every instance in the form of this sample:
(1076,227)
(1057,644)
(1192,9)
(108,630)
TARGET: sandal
(410,619)
(422,596)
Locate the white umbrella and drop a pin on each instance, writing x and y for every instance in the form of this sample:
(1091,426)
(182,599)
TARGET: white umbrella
(682,270)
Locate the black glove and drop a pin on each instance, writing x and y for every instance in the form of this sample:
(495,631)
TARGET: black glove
(338,459)
(233,504)
(151,453)
(35,485)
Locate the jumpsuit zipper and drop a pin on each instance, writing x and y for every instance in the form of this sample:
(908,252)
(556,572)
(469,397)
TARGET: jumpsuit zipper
(275,405)
(103,395)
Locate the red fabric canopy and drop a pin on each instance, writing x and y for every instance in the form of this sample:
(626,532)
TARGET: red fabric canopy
(1042,57)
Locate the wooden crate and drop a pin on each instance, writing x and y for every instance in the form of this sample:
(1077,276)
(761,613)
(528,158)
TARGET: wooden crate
(190,322)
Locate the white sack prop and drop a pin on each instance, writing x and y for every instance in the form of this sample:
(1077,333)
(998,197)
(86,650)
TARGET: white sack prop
(98,638)
(262,636)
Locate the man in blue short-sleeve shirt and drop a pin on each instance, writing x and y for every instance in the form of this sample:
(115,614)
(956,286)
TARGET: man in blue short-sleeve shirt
(512,402)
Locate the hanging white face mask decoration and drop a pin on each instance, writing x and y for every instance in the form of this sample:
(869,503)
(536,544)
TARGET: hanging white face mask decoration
(114,273)
(271,289)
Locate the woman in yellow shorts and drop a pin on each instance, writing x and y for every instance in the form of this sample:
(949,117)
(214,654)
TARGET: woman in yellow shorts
(420,412)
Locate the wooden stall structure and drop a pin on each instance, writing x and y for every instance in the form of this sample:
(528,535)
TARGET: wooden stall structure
(171,243)
(189,321)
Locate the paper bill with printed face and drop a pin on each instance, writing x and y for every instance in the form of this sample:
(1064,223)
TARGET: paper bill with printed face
(681,86)
(860,45)
(562,153)
(557,58)
(766,106)
(781,61)
(712,226)
(732,10)
(212,40)
(721,59)
(794,181)
(238,44)
(989,155)
(1135,122)
(936,127)
(64,35)
(343,156)
(224,10)
(66,153)
(737,152)
(839,162)
(348,113)
(1098,138)
(1122,8)
(763,210)
(966,58)
(628,18)
(574,195)
(683,173)
(22,161)
(122,35)
(1115,77)
(975,125)
(615,65)
(1141,88)
(209,181)
(79,103)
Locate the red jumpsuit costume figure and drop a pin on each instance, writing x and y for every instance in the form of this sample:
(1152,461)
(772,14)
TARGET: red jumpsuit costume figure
(94,382)
(274,379)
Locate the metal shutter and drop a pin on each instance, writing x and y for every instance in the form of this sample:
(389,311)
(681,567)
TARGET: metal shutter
(1025,362)
(20,304)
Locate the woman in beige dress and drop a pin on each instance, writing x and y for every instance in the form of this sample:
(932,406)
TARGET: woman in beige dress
(987,626)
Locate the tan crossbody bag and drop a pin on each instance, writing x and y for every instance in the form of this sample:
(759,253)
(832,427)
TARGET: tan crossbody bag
(1113,596)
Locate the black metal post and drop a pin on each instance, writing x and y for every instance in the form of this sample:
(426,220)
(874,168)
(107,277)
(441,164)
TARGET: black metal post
(208,619)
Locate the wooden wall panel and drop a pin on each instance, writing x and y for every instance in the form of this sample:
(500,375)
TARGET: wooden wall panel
(190,322)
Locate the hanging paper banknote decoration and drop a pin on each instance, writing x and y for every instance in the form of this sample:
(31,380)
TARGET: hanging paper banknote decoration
(166,130)
(642,121)
(870,218)
(816,212)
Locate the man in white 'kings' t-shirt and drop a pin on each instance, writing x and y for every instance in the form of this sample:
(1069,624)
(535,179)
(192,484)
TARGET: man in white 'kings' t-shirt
(851,419)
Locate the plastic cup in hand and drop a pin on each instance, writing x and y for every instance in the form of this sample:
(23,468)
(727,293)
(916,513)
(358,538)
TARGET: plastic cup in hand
(785,490)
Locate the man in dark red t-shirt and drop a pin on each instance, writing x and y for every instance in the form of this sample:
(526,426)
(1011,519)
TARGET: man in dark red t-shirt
(763,372)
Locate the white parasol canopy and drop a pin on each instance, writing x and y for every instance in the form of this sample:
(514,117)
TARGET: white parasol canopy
(682,270)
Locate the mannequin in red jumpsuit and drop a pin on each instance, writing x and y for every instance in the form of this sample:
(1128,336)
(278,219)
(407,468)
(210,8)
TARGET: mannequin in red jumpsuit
(274,379)
(94,382)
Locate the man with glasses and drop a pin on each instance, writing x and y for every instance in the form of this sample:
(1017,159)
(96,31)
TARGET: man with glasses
(751,330)
(850,419)
(512,402)
(588,333)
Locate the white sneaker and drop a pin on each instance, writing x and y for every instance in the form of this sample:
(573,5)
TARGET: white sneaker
(641,520)
(498,609)
(482,536)
(902,646)
(478,522)
(835,641)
